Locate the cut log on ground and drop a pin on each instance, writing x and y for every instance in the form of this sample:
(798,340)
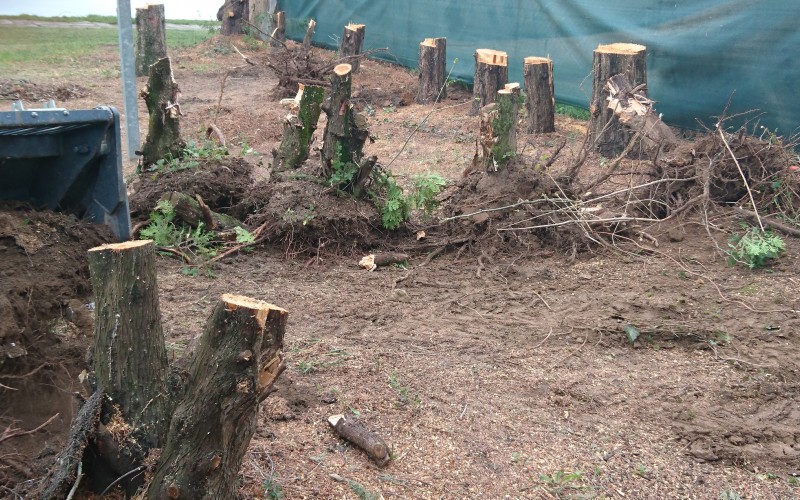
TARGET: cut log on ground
(498,128)
(609,137)
(354,432)
(432,70)
(151,39)
(539,95)
(375,260)
(352,40)
(234,367)
(193,212)
(635,112)
(307,39)
(491,74)
(130,359)
(164,130)
(232,14)
(278,33)
(298,129)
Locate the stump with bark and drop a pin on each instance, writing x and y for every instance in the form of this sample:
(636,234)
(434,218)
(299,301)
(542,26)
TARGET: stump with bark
(162,97)
(609,137)
(539,96)
(498,128)
(312,25)
(346,131)
(352,40)
(491,74)
(232,14)
(298,129)
(151,40)
(278,32)
(432,70)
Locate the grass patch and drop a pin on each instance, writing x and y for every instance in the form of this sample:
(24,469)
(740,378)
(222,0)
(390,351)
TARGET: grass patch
(92,18)
(571,111)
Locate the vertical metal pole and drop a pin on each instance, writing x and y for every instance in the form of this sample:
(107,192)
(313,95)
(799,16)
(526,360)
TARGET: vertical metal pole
(128,75)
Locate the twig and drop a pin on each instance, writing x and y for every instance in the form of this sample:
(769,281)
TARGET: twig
(12,433)
(122,477)
(543,302)
(283,44)
(78,478)
(246,59)
(784,228)
(235,249)
(175,251)
(25,375)
(8,388)
(741,172)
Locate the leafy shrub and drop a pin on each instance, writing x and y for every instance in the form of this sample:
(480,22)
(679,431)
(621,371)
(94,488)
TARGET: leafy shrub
(755,248)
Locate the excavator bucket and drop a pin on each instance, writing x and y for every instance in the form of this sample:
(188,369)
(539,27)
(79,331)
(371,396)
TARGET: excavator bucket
(65,160)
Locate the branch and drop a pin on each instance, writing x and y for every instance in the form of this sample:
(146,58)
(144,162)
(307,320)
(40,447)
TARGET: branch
(744,179)
(12,433)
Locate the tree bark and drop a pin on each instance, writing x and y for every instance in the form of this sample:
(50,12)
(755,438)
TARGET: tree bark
(231,14)
(164,131)
(354,432)
(260,17)
(234,367)
(278,34)
(312,25)
(130,359)
(151,40)
(190,211)
(298,129)
(539,96)
(346,131)
(352,40)
(609,137)
(498,128)
(491,74)
(432,70)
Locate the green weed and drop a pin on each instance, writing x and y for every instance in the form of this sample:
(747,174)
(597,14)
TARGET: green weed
(755,248)
(571,111)
(272,489)
(404,395)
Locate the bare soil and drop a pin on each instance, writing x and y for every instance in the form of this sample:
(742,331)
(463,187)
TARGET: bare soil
(501,370)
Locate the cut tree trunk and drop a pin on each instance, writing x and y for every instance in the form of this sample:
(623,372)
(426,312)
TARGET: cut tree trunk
(164,131)
(192,212)
(352,40)
(354,432)
(498,128)
(259,16)
(432,70)
(151,40)
(635,112)
(130,359)
(298,129)
(491,74)
(233,369)
(232,14)
(539,96)
(609,137)
(278,34)
(312,25)
(346,131)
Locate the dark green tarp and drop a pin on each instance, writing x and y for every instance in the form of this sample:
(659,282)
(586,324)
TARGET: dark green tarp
(699,51)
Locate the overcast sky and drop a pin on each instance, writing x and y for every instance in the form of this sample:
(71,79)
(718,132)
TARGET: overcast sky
(174,9)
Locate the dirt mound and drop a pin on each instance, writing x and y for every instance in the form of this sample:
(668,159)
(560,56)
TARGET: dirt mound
(25,90)
(222,183)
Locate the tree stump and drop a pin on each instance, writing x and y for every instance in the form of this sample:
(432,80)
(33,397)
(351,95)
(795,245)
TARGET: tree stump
(352,40)
(491,74)
(278,34)
(346,131)
(498,128)
(130,358)
(151,40)
(432,70)
(233,368)
(312,25)
(298,128)
(609,137)
(232,13)
(164,131)
(539,96)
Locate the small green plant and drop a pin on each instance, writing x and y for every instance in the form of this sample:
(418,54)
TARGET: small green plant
(561,478)
(361,492)
(272,489)
(404,395)
(755,248)
(243,235)
(162,229)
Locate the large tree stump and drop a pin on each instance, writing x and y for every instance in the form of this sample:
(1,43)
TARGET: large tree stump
(233,368)
(346,131)
(232,13)
(312,25)
(539,96)
(609,137)
(498,128)
(151,39)
(260,18)
(298,128)
(164,131)
(432,70)
(129,359)
(278,32)
(491,74)
(352,40)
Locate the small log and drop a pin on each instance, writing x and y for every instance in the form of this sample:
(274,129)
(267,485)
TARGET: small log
(232,14)
(432,70)
(635,112)
(130,358)
(352,40)
(491,74)
(539,95)
(346,131)
(373,261)
(609,136)
(354,432)
(235,364)
(190,211)
(278,34)
(498,128)
(151,39)
(298,129)
(164,130)
(312,25)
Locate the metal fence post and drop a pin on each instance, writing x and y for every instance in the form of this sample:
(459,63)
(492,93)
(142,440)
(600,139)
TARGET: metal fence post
(128,75)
